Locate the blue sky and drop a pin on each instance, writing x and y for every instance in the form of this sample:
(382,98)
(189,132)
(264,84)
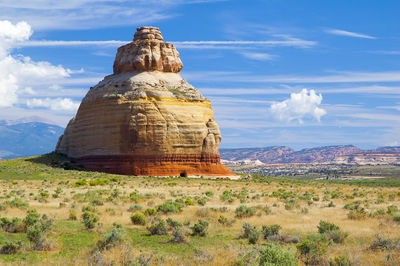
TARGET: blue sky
(252,59)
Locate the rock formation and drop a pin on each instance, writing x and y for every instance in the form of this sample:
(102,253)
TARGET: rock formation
(145,119)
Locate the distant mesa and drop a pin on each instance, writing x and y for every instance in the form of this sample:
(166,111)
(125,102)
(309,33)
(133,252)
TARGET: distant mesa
(145,119)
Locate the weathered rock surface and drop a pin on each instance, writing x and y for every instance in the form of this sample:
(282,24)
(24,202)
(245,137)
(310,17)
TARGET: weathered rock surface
(145,119)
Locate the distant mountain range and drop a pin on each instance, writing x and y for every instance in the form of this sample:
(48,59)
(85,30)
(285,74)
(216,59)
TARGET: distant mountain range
(27,137)
(282,154)
(35,135)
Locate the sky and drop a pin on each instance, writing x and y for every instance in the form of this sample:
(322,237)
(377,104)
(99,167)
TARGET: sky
(300,73)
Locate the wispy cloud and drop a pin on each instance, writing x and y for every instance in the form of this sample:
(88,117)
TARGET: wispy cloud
(292,42)
(87,14)
(336,77)
(258,56)
(349,34)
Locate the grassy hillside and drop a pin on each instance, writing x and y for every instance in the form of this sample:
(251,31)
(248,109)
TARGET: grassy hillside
(178,221)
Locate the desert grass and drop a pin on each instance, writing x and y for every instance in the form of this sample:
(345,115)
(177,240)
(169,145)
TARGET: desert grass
(297,207)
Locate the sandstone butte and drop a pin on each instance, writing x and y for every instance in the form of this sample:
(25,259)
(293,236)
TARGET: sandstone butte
(145,119)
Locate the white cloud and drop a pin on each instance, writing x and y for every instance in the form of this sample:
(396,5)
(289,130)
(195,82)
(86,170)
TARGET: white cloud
(349,34)
(299,106)
(258,56)
(55,104)
(85,14)
(19,74)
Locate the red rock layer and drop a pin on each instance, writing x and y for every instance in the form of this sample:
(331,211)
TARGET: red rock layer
(152,165)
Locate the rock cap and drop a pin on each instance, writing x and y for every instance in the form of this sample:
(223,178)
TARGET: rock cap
(147,52)
(147,33)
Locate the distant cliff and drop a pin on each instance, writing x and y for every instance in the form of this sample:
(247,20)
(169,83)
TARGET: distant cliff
(328,154)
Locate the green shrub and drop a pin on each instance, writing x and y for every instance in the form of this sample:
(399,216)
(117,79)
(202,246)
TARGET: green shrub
(14,225)
(222,219)
(173,223)
(158,228)
(357,214)
(37,233)
(72,216)
(392,209)
(32,217)
(272,254)
(254,235)
(189,201)
(178,236)
(11,247)
(202,201)
(396,218)
(384,244)
(200,228)
(80,183)
(325,227)
(111,239)
(135,207)
(18,203)
(243,211)
(227,196)
(313,249)
(89,219)
(150,212)
(138,219)
(341,261)
(247,229)
(169,206)
(270,230)
(209,193)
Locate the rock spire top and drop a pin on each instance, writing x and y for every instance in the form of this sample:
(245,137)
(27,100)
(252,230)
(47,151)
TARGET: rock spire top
(147,52)
(148,33)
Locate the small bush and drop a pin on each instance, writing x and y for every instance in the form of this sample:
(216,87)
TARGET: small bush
(325,227)
(313,249)
(396,218)
(37,233)
(254,235)
(158,228)
(170,206)
(150,212)
(72,216)
(11,247)
(209,193)
(173,223)
(189,201)
(202,201)
(200,228)
(341,261)
(357,214)
(384,244)
(243,211)
(178,236)
(111,239)
(270,230)
(138,219)
(271,254)
(89,219)
(80,183)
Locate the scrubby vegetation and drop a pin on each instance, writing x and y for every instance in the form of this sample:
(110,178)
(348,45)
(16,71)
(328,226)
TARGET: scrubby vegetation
(53,216)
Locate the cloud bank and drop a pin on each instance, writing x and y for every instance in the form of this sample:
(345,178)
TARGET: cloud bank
(20,75)
(298,107)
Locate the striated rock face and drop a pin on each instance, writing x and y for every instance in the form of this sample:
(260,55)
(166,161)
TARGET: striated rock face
(147,52)
(145,119)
